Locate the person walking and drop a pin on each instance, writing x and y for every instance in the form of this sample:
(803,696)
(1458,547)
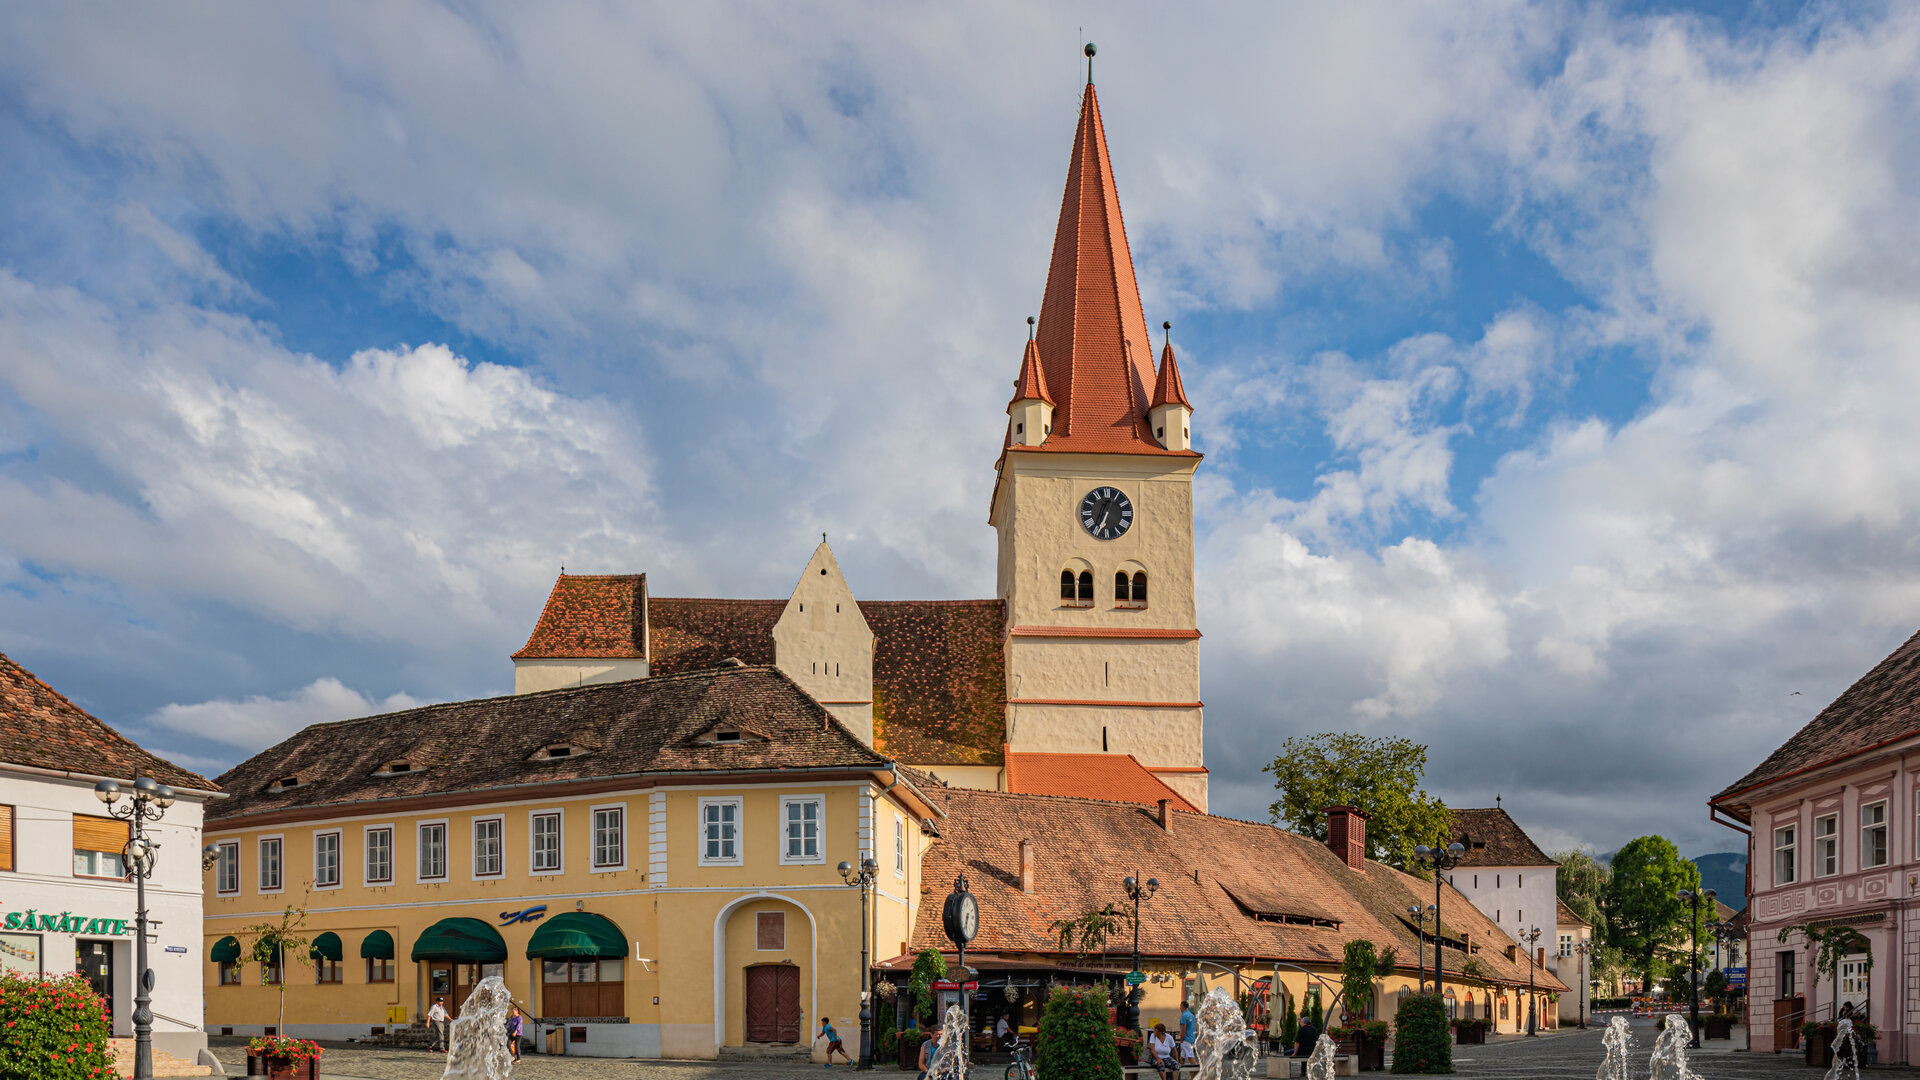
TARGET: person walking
(1161,1053)
(515,1022)
(437,1023)
(833,1043)
(1188,1026)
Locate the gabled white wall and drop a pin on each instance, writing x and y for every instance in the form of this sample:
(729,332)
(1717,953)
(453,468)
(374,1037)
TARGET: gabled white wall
(823,643)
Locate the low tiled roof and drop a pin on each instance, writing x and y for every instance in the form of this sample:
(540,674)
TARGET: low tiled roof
(1882,707)
(1492,838)
(1115,777)
(639,726)
(939,679)
(40,728)
(692,634)
(591,616)
(1564,915)
(1230,890)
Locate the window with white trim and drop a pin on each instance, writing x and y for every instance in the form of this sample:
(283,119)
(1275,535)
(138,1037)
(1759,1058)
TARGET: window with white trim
(720,831)
(326,859)
(1784,864)
(433,851)
(1873,834)
(1826,845)
(226,874)
(546,842)
(270,879)
(899,846)
(380,856)
(609,837)
(800,829)
(1566,944)
(489,847)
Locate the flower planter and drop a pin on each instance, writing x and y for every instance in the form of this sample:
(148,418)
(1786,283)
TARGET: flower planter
(1128,1053)
(282,1069)
(1819,1049)
(1469,1036)
(907,1053)
(1373,1056)
(1721,1028)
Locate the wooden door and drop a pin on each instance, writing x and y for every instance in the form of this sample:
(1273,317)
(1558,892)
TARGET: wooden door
(762,992)
(787,1004)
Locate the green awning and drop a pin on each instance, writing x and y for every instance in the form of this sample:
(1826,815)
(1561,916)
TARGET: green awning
(377,946)
(577,933)
(325,947)
(225,951)
(461,939)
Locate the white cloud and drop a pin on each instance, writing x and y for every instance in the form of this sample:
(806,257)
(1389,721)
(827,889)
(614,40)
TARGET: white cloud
(259,721)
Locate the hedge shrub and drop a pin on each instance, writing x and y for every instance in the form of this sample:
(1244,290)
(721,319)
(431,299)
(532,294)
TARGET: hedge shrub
(52,1029)
(1422,1042)
(1076,1038)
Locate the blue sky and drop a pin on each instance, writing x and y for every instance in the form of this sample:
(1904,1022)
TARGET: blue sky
(1549,359)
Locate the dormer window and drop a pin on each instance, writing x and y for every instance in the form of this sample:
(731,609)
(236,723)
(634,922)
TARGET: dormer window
(560,751)
(726,736)
(396,768)
(285,783)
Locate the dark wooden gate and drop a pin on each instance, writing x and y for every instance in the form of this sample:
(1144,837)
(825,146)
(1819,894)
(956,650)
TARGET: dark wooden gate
(773,1003)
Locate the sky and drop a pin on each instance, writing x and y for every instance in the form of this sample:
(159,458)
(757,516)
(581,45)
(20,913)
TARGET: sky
(1553,364)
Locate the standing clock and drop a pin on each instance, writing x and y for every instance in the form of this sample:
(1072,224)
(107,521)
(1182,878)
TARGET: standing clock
(961,918)
(1106,512)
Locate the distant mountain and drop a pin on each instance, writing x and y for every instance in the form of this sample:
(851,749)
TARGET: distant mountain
(1725,872)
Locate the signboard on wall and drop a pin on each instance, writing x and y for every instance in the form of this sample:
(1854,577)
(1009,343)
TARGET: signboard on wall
(1736,977)
(21,953)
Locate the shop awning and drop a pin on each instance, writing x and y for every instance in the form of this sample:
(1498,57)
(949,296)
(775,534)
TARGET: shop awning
(325,947)
(225,951)
(377,946)
(577,933)
(461,939)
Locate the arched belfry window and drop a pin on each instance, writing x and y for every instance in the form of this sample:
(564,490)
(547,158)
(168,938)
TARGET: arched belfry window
(1086,587)
(1122,589)
(1066,585)
(1130,590)
(1140,587)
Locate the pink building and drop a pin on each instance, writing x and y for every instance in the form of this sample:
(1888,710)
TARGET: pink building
(1833,839)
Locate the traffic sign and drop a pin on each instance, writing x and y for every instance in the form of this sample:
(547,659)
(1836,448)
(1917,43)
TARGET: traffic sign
(1736,977)
(1135,978)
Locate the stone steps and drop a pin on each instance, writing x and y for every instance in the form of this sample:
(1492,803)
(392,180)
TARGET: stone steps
(164,1064)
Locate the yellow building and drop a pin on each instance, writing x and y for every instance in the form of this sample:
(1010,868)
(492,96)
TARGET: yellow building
(651,865)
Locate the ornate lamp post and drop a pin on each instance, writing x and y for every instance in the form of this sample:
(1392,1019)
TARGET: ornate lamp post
(1529,940)
(1138,894)
(1693,897)
(1584,953)
(149,802)
(1442,860)
(863,879)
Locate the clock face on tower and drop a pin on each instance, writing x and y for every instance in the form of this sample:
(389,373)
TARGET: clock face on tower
(1106,513)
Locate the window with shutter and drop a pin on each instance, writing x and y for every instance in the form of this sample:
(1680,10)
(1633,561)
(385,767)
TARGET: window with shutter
(97,844)
(6,837)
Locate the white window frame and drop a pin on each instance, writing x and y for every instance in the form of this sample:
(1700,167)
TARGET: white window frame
(1826,845)
(339,860)
(559,814)
(420,850)
(1885,825)
(280,860)
(393,855)
(819,857)
(739,834)
(1791,850)
(593,838)
(899,847)
(229,859)
(500,846)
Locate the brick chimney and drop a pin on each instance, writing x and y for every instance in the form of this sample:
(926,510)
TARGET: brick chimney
(1347,835)
(1026,866)
(1166,814)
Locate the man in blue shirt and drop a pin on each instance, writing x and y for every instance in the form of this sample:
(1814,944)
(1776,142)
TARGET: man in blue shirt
(1187,1024)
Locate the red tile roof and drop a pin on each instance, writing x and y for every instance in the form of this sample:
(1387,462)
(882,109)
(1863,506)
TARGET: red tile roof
(1882,707)
(1168,389)
(40,728)
(1115,777)
(1493,838)
(1565,916)
(1093,340)
(1232,890)
(1032,383)
(591,616)
(691,634)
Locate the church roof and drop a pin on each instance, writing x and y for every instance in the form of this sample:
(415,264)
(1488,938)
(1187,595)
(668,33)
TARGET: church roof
(41,729)
(591,616)
(1092,340)
(1114,777)
(1493,838)
(1032,383)
(1168,389)
(1227,888)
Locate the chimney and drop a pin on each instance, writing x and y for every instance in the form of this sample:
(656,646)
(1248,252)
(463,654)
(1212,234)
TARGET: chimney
(1347,835)
(1026,866)
(1166,814)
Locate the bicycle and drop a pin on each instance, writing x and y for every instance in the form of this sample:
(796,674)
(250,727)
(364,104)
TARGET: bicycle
(1022,1067)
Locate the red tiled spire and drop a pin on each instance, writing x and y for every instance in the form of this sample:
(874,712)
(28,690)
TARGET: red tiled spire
(1032,383)
(1093,340)
(1167,389)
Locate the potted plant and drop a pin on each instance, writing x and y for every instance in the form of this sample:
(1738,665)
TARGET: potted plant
(281,1056)
(1817,1040)
(1127,1041)
(1866,1042)
(1716,1026)
(907,1048)
(1469,1032)
(1373,1045)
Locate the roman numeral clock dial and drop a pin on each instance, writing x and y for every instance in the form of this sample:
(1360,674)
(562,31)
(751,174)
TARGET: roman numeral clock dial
(1106,513)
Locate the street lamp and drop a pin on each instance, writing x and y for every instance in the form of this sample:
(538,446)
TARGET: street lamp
(1441,859)
(149,801)
(1419,916)
(863,880)
(1530,939)
(1138,894)
(1693,898)
(1584,966)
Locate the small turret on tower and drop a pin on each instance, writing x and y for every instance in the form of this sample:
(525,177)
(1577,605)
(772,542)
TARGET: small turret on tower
(1170,413)
(1031,409)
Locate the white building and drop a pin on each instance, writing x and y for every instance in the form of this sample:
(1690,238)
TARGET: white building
(1506,875)
(65,902)
(1572,963)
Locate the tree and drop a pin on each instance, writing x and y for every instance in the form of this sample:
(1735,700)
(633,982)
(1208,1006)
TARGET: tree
(1361,964)
(1421,1041)
(276,945)
(1379,777)
(928,967)
(1644,911)
(1087,934)
(1581,882)
(1076,1039)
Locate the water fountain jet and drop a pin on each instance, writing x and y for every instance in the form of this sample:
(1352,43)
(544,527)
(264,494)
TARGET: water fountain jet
(477,1048)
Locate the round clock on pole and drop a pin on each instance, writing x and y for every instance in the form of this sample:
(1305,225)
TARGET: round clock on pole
(961,916)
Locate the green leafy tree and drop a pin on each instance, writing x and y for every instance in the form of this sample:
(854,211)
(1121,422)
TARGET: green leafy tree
(1379,777)
(52,1028)
(1076,1040)
(1581,882)
(1422,1043)
(1290,1025)
(1645,915)
(275,947)
(1359,966)
(927,967)
(1087,934)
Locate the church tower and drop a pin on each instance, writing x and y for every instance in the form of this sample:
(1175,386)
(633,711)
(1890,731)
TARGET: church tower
(1094,508)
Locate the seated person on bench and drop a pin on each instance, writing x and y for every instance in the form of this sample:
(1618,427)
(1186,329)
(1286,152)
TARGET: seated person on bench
(1161,1054)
